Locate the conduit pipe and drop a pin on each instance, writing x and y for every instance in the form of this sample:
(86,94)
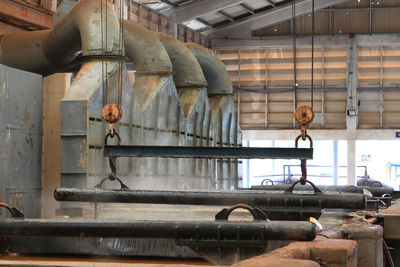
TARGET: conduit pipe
(188,75)
(46,52)
(150,61)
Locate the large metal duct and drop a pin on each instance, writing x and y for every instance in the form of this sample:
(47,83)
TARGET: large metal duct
(214,70)
(223,120)
(46,52)
(150,61)
(188,75)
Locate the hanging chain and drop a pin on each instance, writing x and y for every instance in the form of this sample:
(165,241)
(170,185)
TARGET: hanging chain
(112,113)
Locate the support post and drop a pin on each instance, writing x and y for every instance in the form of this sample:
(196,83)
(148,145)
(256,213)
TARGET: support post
(335,162)
(352,111)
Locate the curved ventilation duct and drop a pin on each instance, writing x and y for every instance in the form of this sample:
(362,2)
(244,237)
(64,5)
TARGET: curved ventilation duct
(46,52)
(218,82)
(188,75)
(150,61)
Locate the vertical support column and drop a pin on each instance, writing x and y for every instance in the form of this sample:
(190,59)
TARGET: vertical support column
(370,17)
(330,20)
(322,87)
(381,102)
(351,162)
(335,162)
(54,87)
(246,183)
(266,90)
(352,106)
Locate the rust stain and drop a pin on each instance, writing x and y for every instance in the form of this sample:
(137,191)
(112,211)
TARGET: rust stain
(7,85)
(26,115)
(188,99)
(83,155)
(214,103)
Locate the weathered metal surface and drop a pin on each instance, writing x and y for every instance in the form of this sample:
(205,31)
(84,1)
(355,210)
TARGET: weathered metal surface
(218,81)
(48,51)
(208,152)
(33,16)
(150,61)
(276,206)
(216,232)
(376,191)
(21,139)
(187,71)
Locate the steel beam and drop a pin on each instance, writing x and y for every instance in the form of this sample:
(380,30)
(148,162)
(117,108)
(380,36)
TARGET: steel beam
(269,17)
(203,230)
(200,8)
(19,13)
(208,152)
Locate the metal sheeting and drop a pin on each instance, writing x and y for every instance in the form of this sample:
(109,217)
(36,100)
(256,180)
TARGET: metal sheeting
(378,79)
(257,70)
(21,139)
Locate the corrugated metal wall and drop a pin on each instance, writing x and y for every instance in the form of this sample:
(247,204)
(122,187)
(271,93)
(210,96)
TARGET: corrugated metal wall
(255,71)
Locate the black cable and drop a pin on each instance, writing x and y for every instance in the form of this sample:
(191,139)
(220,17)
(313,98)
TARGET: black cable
(120,44)
(294,52)
(312,54)
(102,52)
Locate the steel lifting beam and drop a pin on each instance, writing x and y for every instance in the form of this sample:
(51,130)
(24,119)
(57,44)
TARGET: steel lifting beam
(208,152)
(216,232)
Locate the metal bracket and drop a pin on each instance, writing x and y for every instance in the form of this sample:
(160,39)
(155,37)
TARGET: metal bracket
(258,215)
(317,191)
(112,177)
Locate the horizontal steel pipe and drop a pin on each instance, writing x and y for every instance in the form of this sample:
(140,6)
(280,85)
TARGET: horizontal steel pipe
(208,152)
(376,191)
(224,230)
(253,198)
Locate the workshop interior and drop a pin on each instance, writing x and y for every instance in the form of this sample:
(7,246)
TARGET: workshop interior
(200,133)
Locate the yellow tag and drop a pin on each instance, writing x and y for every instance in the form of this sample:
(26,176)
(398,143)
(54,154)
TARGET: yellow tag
(316,222)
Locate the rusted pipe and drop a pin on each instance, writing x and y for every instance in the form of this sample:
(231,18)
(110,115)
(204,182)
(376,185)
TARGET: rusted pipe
(80,31)
(218,82)
(150,61)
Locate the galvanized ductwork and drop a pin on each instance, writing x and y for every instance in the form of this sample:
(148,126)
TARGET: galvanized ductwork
(188,75)
(214,70)
(150,61)
(46,52)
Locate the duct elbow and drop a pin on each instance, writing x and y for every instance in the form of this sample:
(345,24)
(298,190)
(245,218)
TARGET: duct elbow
(214,70)
(83,30)
(187,71)
(150,61)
